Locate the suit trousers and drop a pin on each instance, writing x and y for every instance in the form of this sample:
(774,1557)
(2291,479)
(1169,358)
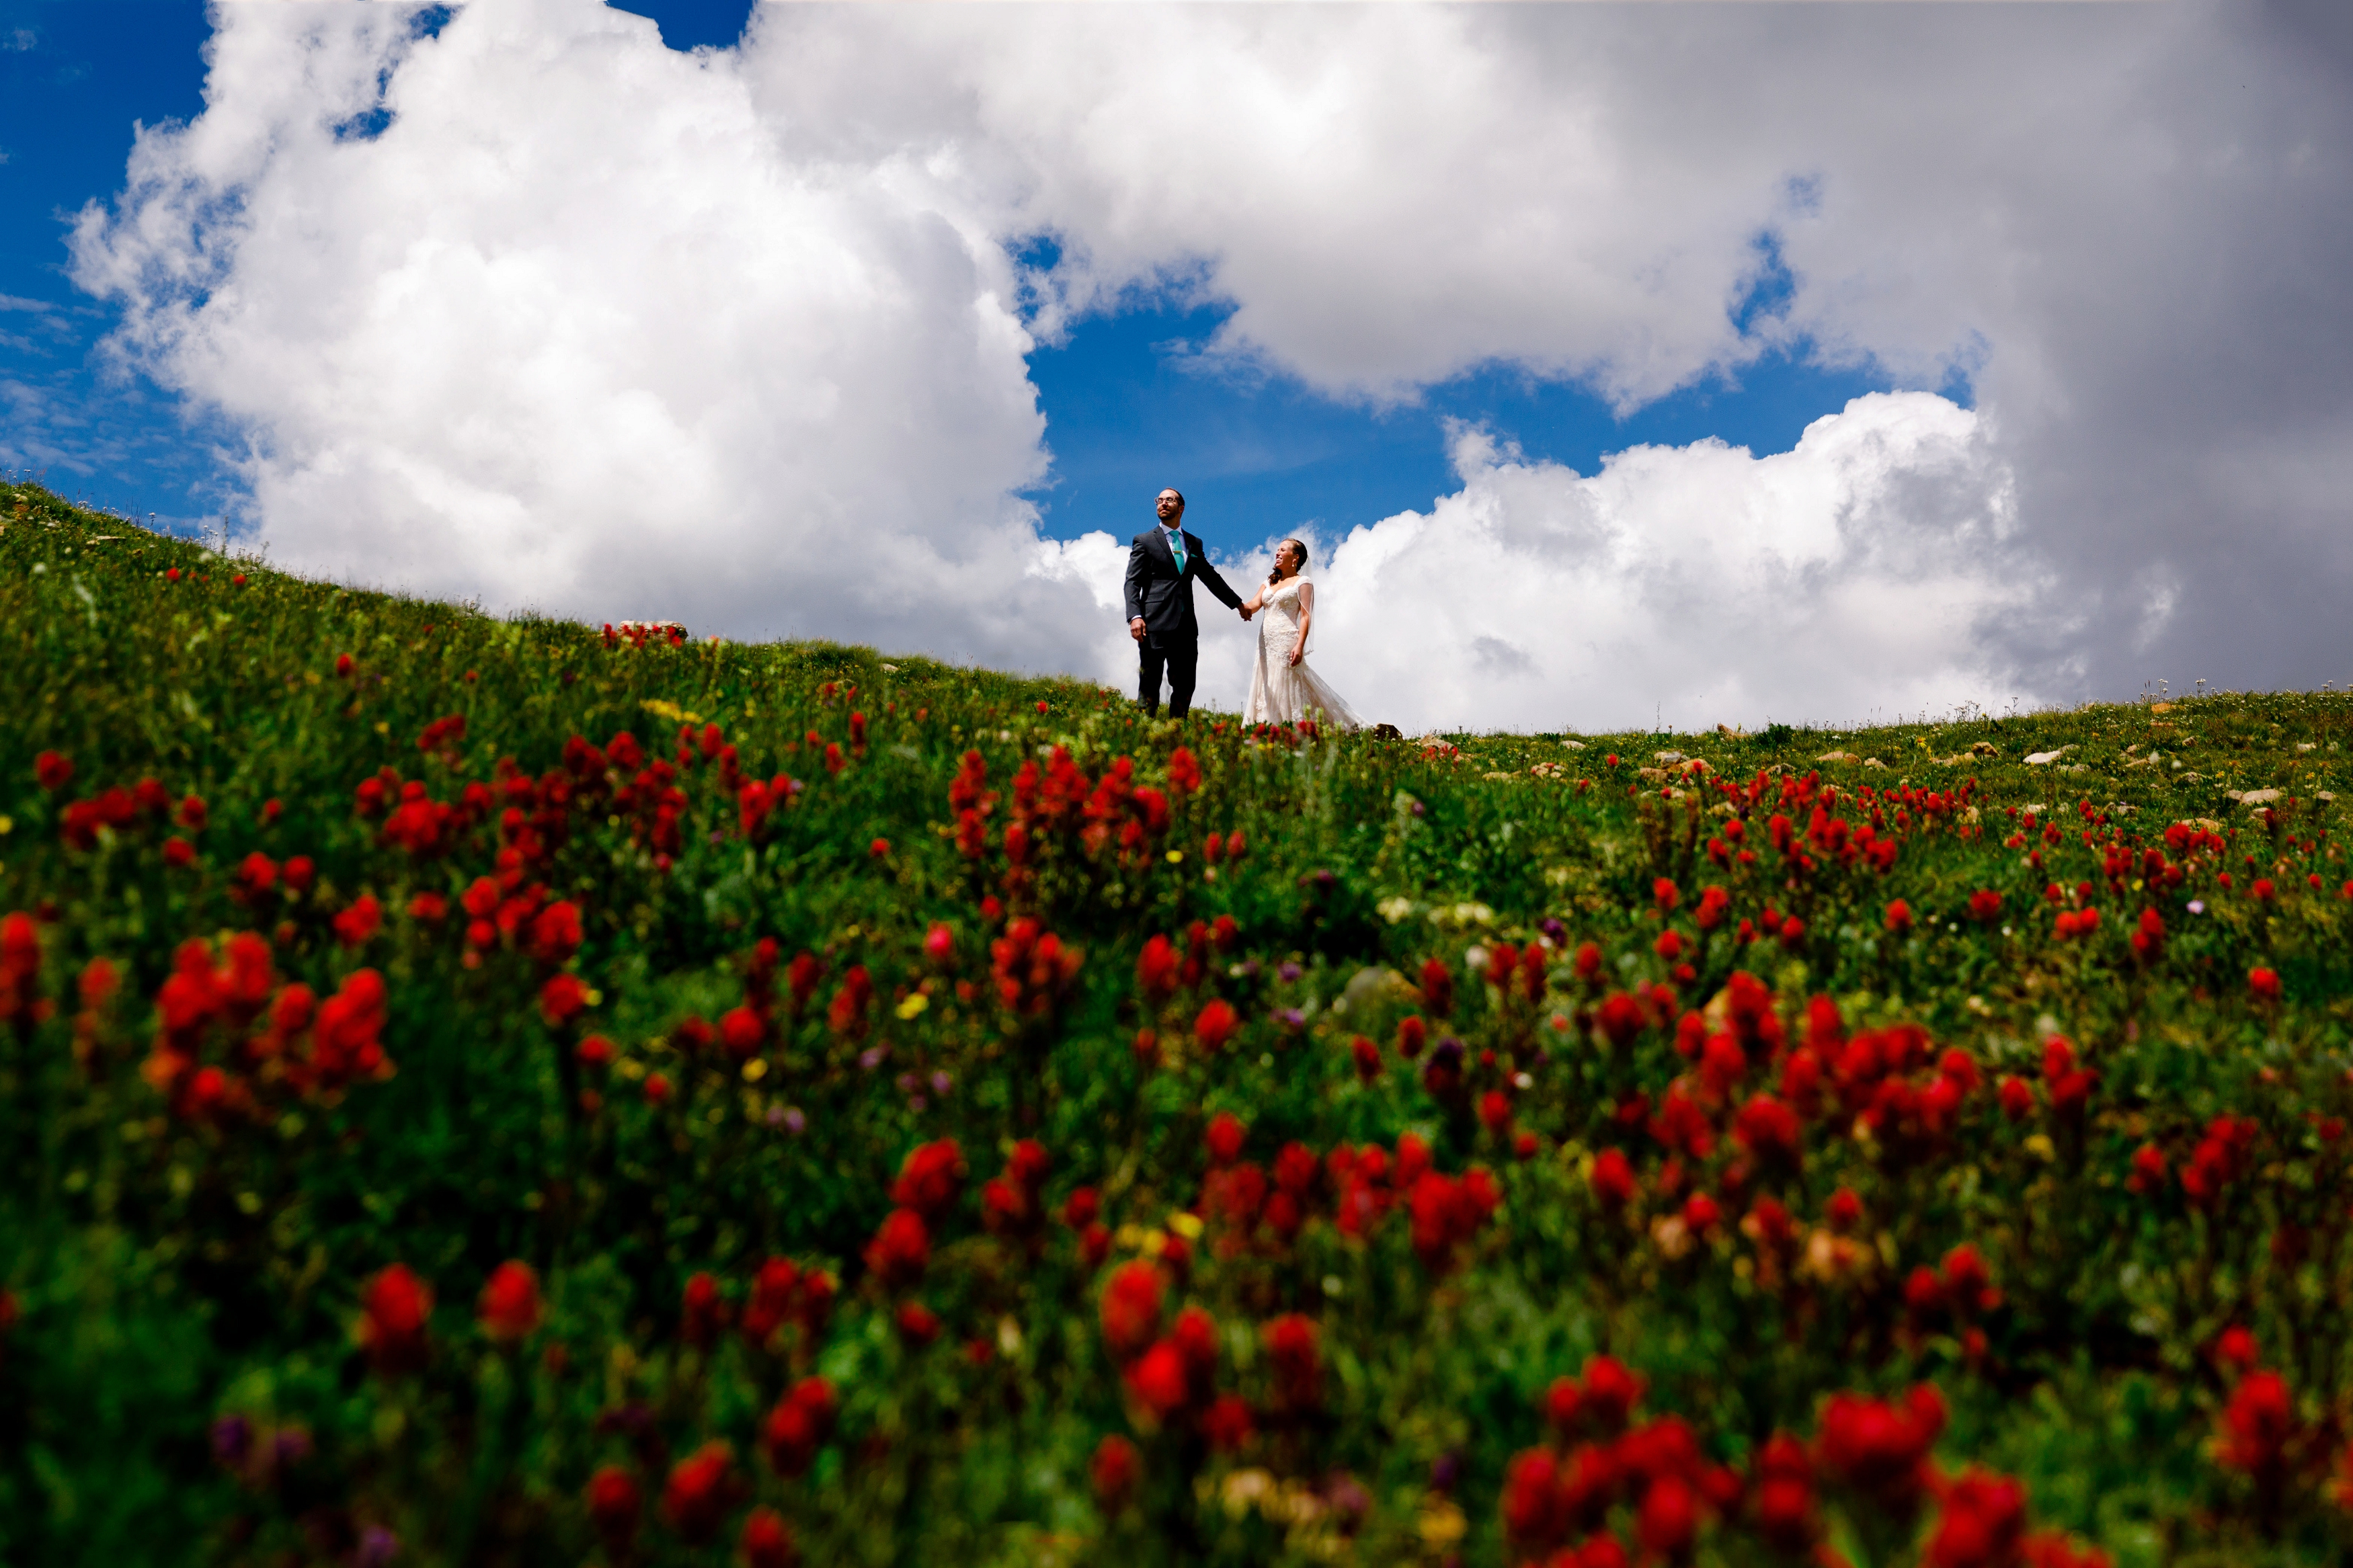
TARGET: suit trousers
(1179,660)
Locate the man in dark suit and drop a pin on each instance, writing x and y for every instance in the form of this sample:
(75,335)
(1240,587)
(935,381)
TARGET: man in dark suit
(1161,571)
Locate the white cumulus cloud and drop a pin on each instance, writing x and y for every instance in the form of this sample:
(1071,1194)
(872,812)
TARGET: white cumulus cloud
(548,318)
(1864,569)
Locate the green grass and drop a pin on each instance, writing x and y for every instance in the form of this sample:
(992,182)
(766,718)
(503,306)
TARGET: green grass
(181,1257)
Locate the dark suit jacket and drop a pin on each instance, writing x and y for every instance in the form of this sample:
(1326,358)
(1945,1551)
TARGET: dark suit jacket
(1163,596)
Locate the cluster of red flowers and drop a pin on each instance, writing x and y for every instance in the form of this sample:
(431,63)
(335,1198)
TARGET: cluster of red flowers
(22,1005)
(1828,838)
(116,809)
(1597,1460)
(1014,1205)
(643,634)
(902,1248)
(1356,1188)
(1033,969)
(304,1046)
(1161,971)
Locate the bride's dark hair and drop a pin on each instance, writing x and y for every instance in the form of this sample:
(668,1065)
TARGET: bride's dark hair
(1276,575)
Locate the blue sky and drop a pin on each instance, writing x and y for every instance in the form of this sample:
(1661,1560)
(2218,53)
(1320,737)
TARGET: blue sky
(1128,406)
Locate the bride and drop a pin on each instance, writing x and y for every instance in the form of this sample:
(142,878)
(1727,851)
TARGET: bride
(1283,690)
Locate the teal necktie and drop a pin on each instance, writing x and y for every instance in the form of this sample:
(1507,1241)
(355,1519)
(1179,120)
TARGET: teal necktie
(1176,548)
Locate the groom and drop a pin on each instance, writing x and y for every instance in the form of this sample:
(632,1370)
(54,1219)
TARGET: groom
(1161,570)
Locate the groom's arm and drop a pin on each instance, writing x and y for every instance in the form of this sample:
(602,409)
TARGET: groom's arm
(1138,558)
(1208,573)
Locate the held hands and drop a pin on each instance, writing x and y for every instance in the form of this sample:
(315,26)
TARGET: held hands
(1245,610)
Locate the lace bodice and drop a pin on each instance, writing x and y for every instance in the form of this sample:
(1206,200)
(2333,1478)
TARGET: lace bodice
(1282,604)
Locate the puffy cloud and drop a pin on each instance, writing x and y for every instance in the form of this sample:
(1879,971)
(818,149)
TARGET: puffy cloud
(1864,569)
(2115,221)
(534,309)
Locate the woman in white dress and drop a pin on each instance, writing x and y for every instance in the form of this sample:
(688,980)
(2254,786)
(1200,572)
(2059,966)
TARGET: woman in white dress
(1283,690)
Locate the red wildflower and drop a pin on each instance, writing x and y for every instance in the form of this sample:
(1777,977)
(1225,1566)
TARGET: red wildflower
(1183,773)
(797,1425)
(2149,1170)
(2236,1350)
(1228,1424)
(1225,1138)
(901,1250)
(846,1016)
(1613,1178)
(698,1493)
(1495,1111)
(256,875)
(1531,1502)
(1784,1491)
(1844,1211)
(1216,1025)
(54,770)
(918,1324)
(1899,917)
(1368,1057)
(1668,1520)
(1985,906)
(1115,1470)
(356,924)
(1982,1524)
(396,1308)
(1413,1035)
(656,1088)
(743,1031)
(20,970)
(1610,1391)
(1769,1130)
(766,1541)
(1156,969)
(2264,984)
(510,1308)
(1619,1018)
(928,1179)
(1292,1342)
(555,934)
(1131,1309)
(1437,986)
(2257,1424)
(1157,1380)
(1879,1448)
(614,1505)
(2017,1097)
(702,1312)
(561,999)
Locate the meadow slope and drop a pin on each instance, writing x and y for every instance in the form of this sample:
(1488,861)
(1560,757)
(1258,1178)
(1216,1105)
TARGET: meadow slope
(504,1091)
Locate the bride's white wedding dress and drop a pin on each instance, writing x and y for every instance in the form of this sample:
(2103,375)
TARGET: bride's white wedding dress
(1283,692)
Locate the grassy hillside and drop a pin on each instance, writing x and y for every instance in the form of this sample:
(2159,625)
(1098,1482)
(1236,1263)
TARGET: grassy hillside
(488,1091)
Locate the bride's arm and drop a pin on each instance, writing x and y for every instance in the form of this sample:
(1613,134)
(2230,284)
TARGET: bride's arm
(1255,603)
(1306,619)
